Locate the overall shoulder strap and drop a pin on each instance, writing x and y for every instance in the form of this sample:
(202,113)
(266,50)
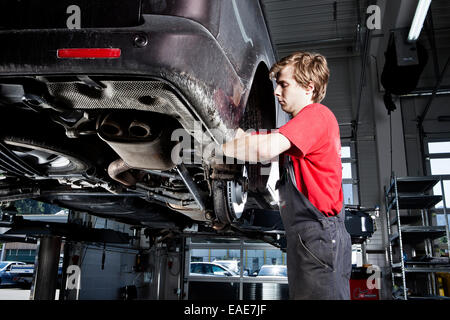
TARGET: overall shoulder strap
(287,171)
(290,167)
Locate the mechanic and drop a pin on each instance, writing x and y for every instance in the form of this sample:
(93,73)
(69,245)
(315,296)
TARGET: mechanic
(310,186)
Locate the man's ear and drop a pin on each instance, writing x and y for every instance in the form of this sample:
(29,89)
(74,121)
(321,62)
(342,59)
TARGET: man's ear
(310,88)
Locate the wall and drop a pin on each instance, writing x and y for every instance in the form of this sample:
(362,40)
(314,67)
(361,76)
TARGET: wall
(104,282)
(165,270)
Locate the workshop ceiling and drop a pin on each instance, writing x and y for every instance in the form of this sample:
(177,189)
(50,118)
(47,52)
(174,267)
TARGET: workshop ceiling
(333,24)
(440,10)
(309,24)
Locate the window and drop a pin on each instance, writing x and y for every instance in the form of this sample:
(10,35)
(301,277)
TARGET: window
(438,163)
(349,180)
(438,147)
(196,268)
(224,260)
(218,271)
(440,166)
(253,258)
(25,255)
(207,269)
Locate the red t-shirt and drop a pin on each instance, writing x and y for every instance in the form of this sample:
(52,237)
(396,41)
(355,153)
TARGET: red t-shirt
(316,156)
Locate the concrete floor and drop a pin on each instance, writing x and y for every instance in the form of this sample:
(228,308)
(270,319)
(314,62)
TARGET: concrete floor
(11,293)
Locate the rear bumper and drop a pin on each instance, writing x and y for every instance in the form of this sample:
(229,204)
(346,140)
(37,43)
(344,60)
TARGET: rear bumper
(178,50)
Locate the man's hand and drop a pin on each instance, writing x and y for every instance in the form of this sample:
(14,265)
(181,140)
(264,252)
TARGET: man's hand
(229,149)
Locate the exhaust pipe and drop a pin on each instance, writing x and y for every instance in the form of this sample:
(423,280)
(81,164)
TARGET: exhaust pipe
(119,171)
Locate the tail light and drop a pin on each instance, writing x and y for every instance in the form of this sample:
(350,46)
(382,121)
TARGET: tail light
(89,53)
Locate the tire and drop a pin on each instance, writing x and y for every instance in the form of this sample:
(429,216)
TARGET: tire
(260,99)
(253,119)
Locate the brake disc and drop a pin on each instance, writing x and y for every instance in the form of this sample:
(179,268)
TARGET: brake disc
(230,198)
(237,196)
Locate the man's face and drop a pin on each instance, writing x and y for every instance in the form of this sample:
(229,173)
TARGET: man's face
(291,95)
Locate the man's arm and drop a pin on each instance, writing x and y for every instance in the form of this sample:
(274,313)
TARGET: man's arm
(256,148)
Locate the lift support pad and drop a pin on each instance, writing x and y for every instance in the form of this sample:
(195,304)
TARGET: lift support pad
(74,232)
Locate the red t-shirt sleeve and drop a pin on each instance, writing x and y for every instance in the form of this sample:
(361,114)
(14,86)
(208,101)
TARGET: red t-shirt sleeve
(306,131)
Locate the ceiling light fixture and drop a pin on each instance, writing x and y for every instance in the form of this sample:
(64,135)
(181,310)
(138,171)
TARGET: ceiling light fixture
(419,18)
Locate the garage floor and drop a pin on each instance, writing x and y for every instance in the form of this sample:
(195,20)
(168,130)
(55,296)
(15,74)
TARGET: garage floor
(12,293)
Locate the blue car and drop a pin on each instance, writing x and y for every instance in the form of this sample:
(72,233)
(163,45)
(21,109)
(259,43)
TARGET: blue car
(6,277)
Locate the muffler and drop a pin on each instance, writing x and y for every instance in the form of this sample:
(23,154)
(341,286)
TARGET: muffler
(141,144)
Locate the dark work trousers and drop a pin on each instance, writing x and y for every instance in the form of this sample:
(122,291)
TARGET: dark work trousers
(319,249)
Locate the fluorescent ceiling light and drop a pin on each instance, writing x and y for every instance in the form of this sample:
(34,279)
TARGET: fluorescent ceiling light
(419,18)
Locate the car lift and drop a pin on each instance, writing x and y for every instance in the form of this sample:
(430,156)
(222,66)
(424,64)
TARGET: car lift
(260,224)
(48,236)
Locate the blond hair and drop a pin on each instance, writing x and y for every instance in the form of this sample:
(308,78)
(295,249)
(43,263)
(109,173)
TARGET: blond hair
(308,67)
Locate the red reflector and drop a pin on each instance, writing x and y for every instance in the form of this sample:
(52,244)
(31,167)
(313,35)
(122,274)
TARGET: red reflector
(95,53)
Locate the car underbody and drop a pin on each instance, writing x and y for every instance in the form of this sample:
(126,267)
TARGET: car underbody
(111,153)
(134,136)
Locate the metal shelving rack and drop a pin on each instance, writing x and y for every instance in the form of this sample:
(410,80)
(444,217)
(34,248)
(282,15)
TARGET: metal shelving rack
(409,193)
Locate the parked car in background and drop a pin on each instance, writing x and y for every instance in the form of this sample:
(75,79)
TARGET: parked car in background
(211,269)
(6,276)
(22,274)
(233,265)
(273,271)
(229,264)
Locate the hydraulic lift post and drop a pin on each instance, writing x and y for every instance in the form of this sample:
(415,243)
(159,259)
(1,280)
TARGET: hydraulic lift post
(45,278)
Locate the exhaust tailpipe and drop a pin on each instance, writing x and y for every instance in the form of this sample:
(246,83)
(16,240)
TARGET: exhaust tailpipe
(139,129)
(110,127)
